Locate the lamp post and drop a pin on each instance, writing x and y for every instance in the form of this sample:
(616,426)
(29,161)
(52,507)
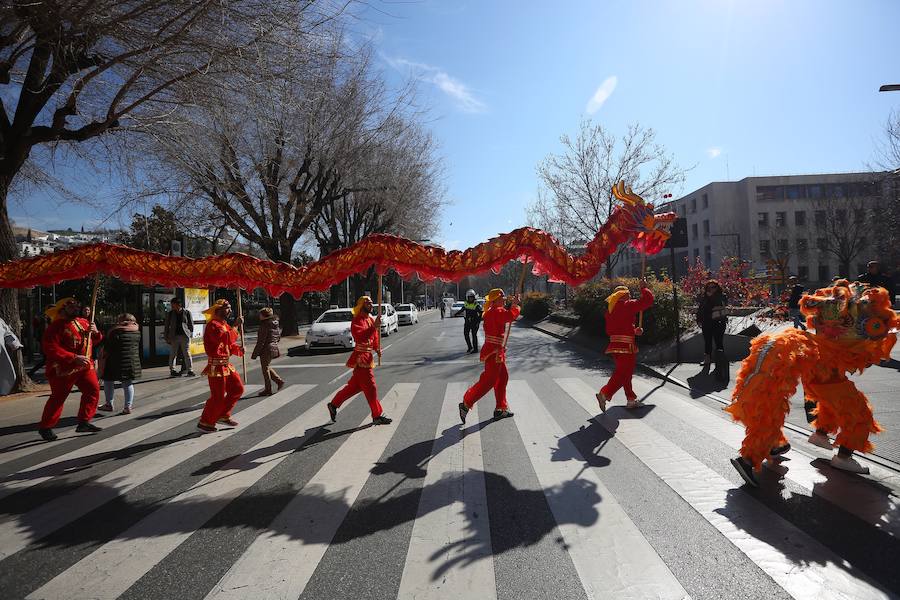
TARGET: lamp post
(737,235)
(890,87)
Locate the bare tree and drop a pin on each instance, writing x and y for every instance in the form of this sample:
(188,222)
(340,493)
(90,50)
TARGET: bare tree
(580,179)
(72,71)
(846,224)
(887,233)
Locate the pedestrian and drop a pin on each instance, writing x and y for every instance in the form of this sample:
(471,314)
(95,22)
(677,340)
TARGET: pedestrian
(179,328)
(472,319)
(9,345)
(794,303)
(364,329)
(874,277)
(67,345)
(442,307)
(712,318)
(220,341)
(266,349)
(497,315)
(120,360)
(620,327)
(40,326)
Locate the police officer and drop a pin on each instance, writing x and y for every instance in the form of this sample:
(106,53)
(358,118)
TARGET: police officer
(472,318)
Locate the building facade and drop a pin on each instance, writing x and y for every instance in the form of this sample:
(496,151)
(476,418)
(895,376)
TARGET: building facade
(780,224)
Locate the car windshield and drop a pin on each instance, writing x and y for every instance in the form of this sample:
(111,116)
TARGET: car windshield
(336,316)
(405,307)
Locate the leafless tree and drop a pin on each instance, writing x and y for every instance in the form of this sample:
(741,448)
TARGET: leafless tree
(579,180)
(74,71)
(846,224)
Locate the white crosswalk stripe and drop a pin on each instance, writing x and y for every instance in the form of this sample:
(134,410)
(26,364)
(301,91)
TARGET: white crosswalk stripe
(820,574)
(451,543)
(452,518)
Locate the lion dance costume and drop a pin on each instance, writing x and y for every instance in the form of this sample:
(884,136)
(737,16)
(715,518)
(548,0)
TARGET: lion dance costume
(850,328)
(220,341)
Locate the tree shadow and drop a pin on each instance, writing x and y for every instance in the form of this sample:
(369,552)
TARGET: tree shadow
(411,462)
(585,445)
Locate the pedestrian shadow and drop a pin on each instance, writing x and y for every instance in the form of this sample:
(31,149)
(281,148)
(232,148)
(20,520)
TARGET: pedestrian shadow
(26,427)
(704,383)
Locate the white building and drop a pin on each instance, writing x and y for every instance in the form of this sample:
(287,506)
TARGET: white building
(763,218)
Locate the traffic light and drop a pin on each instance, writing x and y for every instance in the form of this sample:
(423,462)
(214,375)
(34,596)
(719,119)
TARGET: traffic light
(679,237)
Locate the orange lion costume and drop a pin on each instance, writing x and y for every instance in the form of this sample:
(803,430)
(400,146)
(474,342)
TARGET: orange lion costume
(850,328)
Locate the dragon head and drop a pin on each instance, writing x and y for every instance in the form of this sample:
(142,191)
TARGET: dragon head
(850,312)
(651,231)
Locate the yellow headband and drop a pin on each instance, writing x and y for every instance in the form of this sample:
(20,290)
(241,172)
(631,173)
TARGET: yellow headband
(620,292)
(210,313)
(360,303)
(55,311)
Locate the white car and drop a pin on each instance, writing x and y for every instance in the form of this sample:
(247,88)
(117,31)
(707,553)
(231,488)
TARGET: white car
(331,329)
(407,314)
(456,309)
(389,321)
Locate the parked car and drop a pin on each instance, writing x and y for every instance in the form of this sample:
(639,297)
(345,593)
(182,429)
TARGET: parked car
(456,309)
(331,329)
(407,314)
(388,319)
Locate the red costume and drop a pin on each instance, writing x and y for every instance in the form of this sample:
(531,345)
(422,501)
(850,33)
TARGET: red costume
(622,346)
(225,385)
(63,341)
(362,361)
(493,355)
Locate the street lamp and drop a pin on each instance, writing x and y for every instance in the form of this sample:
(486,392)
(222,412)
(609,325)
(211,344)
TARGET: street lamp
(737,235)
(890,87)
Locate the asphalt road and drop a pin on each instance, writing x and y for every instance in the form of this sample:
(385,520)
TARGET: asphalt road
(553,503)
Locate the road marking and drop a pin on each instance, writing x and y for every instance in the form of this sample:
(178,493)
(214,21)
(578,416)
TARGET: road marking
(280,562)
(449,553)
(816,574)
(61,464)
(852,494)
(166,399)
(611,555)
(19,532)
(117,565)
(313,366)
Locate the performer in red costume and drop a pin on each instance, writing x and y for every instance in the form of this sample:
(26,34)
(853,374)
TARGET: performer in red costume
(220,341)
(67,344)
(493,354)
(364,329)
(621,331)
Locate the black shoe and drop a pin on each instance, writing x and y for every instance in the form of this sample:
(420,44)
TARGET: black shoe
(85,427)
(779,450)
(190,374)
(48,435)
(382,420)
(502,414)
(332,411)
(469,350)
(463,411)
(173,373)
(745,470)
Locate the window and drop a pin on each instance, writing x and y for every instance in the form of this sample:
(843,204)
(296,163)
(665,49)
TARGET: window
(863,242)
(840,215)
(823,273)
(693,205)
(859,215)
(782,246)
(802,272)
(835,190)
(694,234)
(764,247)
(696,254)
(683,210)
(707,253)
(763,219)
(769,192)
(821,217)
(815,192)
(705,201)
(800,218)
(802,245)
(795,192)
(706,228)
(780,219)
(822,243)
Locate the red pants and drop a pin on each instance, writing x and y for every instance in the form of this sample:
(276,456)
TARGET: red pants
(495,376)
(87,384)
(362,380)
(621,377)
(224,392)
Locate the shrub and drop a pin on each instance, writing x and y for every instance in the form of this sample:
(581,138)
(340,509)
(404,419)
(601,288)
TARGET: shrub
(536,306)
(659,320)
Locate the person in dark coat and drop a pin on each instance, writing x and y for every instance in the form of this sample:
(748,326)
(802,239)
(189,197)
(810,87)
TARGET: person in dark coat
(266,349)
(712,317)
(472,319)
(875,278)
(120,360)
(797,291)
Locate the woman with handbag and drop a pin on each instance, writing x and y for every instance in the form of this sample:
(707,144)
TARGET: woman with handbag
(712,316)
(120,360)
(266,349)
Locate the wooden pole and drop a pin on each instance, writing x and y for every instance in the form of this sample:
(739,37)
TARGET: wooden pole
(90,341)
(643,274)
(380,289)
(520,290)
(241,331)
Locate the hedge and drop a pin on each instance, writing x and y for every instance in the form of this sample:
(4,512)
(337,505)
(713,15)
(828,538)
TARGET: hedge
(659,320)
(536,306)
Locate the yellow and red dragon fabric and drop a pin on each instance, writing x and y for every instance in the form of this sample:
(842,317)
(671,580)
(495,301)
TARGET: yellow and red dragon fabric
(632,222)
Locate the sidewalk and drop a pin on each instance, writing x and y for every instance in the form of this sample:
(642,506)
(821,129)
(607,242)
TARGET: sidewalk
(881,384)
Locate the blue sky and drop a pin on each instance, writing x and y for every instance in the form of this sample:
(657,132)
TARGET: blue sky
(736,88)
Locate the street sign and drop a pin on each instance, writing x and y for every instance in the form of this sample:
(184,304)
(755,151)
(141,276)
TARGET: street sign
(679,238)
